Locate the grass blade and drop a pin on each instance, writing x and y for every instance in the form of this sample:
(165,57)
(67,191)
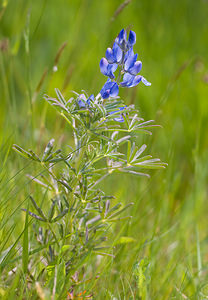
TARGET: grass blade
(25,248)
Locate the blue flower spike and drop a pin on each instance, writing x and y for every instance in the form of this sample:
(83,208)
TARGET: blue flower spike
(107,69)
(110,89)
(121,54)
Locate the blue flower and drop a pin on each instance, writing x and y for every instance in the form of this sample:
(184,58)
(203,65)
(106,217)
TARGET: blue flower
(131,80)
(120,118)
(114,55)
(121,40)
(132,66)
(110,89)
(83,101)
(107,69)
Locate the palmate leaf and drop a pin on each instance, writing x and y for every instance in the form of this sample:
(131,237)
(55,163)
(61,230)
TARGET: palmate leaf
(28,154)
(57,103)
(23,152)
(137,152)
(133,152)
(146,162)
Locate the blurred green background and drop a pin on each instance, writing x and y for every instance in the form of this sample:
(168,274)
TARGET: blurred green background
(58,44)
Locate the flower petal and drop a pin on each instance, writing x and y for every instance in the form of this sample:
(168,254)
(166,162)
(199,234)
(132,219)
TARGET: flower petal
(117,53)
(127,80)
(121,36)
(136,80)
(136,68)
(107,69)
(109,55)
(147,83)
(132,38)
(114,67)
(130,59)
(121,39)
(114,90)
(110,89)
(106,94)
(104,66)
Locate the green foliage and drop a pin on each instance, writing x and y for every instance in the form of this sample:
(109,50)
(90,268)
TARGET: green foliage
(78,220)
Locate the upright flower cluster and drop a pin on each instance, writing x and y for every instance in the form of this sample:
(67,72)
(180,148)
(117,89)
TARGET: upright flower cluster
(121,55)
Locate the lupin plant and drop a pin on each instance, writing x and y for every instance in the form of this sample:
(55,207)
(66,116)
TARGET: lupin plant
(75,221)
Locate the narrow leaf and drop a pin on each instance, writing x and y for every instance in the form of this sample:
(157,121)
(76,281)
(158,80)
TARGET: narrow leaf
(128,151)
(60,216)
(51,211)
(34,156)
(120,211)
(65,184)
(38,209)
(22,151)
(34,215)
(52,155)
(60,96)
(48,149)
